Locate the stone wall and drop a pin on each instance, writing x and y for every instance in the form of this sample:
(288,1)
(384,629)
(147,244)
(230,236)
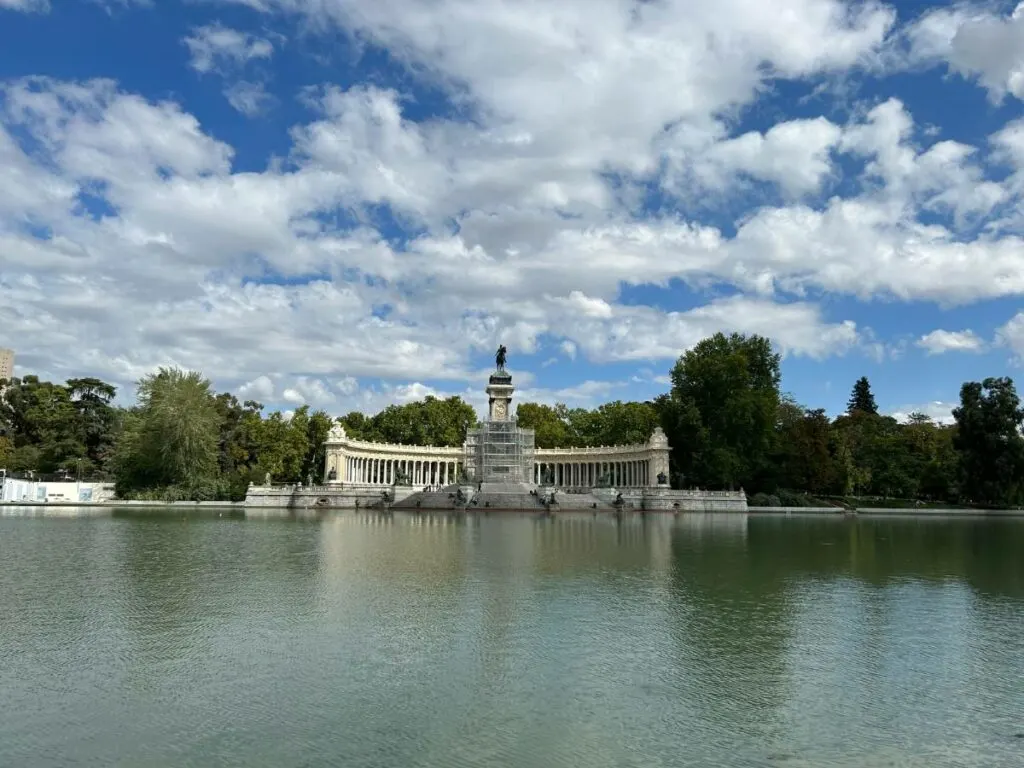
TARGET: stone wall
(318,496)
(665,499)
(657,499)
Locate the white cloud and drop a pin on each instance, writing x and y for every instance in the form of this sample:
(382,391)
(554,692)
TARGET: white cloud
(795,155)
(1009,142)
(260,389)
(598,86)
(215,46)
(157,250)
(248,98)
(939,411)
(28,6)
(938,342)
(1011,335)
(976,42)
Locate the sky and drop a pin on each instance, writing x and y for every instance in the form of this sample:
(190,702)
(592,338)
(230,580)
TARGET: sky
(351,203)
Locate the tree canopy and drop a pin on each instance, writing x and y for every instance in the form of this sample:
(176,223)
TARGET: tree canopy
(722,409)
(989,441)
(726,418)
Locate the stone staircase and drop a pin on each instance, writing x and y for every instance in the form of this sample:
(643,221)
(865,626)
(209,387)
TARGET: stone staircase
(504,497)
(429,500)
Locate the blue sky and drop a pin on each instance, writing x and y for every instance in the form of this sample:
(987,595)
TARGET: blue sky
(351,203)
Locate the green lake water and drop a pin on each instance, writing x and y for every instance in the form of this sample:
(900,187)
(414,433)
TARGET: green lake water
(356,640)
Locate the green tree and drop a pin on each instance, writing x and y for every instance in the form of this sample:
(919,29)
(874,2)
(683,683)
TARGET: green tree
(549,424)
(169,442)
(721,414)
(805,461)
(861,398)
(238,448)
(430,421)
(619,423)
(317,429)
(988,440)
(97,418)
(929,455)
(43,422)
(356,424)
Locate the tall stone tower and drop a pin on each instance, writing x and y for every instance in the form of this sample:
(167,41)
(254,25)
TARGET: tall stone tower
(6,363)
(499,396)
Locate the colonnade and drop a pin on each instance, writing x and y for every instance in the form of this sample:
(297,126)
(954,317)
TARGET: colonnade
(384,471)
(576,474)
(358,462)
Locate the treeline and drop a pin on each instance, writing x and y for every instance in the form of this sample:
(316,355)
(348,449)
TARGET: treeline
(725,415)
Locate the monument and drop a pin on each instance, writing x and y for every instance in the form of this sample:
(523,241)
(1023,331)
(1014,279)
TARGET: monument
(497,467)
(499,452)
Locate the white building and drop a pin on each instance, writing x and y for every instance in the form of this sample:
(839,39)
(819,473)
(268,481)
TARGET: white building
(6,363)
(37,492)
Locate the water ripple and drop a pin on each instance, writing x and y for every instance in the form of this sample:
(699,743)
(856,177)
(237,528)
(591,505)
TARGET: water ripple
(360,641)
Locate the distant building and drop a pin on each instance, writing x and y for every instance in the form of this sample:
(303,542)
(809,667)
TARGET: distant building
(6,363)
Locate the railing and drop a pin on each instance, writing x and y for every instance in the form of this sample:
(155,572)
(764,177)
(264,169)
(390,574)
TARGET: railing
(596,450)
(378,448)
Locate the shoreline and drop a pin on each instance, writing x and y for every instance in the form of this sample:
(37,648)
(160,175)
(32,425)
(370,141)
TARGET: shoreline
(241,506)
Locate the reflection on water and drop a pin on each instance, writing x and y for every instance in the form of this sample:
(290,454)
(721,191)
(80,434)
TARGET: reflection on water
(187,639)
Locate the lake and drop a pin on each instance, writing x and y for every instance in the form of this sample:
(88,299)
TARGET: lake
(355,639)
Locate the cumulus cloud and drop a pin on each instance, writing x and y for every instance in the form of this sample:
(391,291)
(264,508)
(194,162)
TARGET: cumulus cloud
(795,155)
(938,342)
(939,411)
(131,238)
(976,41)
(215,46)
(1011,335)
(248,98)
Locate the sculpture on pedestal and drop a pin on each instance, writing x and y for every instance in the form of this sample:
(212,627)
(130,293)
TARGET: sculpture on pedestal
(500,357)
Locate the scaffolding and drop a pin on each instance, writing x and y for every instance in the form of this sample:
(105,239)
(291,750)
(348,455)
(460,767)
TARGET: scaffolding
(500,452)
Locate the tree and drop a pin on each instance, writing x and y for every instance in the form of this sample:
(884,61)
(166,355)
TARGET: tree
(170,440)
(97,418)
(356,425)
(430,421)
(43,422)
(806,461)
(548,423)
(619,423)
(861,398)
(723,409)
(317,429)
(989,441)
